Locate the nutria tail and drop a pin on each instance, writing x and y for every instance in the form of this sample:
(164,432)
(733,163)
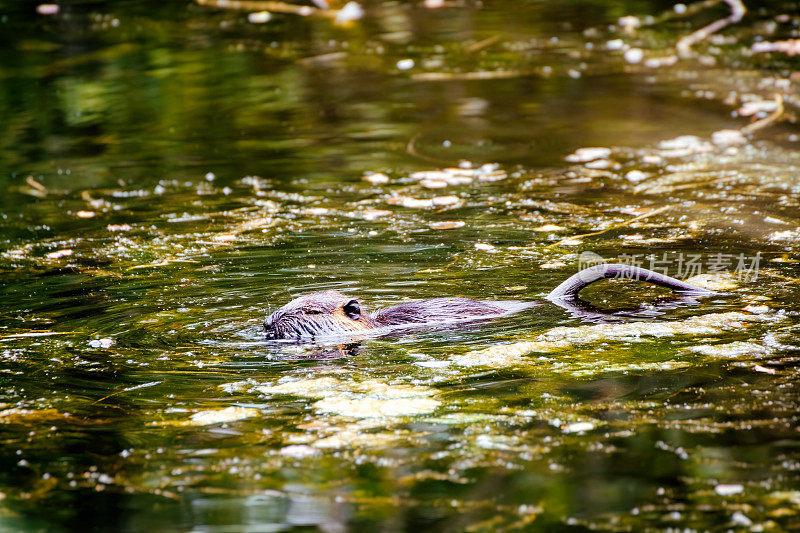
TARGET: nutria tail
(569,289)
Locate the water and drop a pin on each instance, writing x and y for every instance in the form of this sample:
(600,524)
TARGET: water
(173,172)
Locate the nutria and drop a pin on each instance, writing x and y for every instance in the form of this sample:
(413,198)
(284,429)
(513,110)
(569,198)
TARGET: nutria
(331,313)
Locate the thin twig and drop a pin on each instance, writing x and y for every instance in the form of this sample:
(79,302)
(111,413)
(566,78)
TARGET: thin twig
(480,45)
(128,389)
(615,226)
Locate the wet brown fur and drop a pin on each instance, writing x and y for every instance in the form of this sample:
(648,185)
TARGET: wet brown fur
(332,313)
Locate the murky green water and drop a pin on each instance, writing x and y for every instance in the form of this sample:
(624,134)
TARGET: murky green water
(172,171)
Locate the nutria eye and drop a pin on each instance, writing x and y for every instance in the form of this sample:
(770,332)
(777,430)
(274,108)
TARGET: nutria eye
(313,312)
(352,310)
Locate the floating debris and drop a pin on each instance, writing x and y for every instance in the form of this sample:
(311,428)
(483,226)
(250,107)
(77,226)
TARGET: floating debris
(238,386)
(683,142)
(505,355)
(760,108)
(33,334)
(730,350)
(218,416)
(563,337)
(353,436)
(434,184)
(495,442)
(723,281)
(405,64)
(376,178)
(316,211)
(17,415)
(728,489)
(447,224)
(740,519)
(489,172)
(789,235)
(119,227)
(259,17)
(299,451)
(424,203)
(584,155)
(48,9)
(634,55)
(728,138)
(105,342)
(548,228)
(366,399)
(636,175)
(784,496)
(600,164)
(700,325)
(433,364)
(58,254)
(366,407)
(578,427)
(790,47)
(351,11)
(372,214)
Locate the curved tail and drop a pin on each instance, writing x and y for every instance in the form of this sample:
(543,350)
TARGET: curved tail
(569,289)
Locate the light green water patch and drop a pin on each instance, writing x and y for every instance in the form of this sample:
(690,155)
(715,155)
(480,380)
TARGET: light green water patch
(558,340)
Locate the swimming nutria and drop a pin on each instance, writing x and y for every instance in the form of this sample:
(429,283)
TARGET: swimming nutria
(331,313)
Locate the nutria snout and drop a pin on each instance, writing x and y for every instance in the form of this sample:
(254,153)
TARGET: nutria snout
(331,313)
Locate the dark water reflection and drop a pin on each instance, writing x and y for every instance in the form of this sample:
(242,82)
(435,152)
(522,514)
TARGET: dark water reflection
(172,171)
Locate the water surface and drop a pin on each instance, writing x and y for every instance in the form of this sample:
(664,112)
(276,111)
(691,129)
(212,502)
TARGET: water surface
(174,171)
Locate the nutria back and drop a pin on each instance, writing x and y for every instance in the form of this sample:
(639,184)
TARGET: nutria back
(442,310)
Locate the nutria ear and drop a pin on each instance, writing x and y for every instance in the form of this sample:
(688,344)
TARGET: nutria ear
(352,310)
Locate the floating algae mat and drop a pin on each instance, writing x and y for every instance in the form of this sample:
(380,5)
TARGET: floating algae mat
(175,171)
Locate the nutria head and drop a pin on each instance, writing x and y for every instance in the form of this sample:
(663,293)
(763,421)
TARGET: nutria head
(318,314)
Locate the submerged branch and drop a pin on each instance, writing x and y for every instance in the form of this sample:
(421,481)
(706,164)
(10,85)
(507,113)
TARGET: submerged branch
(274,6)
(466,76)
(684,44)
(33,334)
(261,5)
(690,10)
(768,120)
